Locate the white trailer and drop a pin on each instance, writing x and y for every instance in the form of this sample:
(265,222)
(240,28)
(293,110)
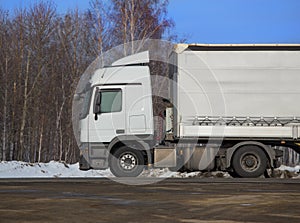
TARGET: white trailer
(230,108)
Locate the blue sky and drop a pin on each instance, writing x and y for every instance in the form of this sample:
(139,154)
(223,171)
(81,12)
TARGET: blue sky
(219,21)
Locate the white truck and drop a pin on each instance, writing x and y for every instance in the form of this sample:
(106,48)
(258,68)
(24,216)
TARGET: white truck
(230,108)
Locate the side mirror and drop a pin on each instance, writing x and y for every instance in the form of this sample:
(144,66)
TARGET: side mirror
(97,104)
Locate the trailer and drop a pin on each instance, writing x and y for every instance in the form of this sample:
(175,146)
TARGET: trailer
(230,107)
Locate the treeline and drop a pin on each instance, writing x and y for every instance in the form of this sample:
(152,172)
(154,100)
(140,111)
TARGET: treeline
(42,57)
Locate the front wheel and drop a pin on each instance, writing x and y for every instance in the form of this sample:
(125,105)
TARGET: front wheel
(126,162)
(249,162)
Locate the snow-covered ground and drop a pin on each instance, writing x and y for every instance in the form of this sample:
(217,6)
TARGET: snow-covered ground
(15,169)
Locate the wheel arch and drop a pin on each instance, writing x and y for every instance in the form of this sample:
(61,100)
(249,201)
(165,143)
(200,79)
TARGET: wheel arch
(270,153)
(131,140)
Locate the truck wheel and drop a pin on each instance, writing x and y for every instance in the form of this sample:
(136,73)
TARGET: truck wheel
(126,162)
(249,162)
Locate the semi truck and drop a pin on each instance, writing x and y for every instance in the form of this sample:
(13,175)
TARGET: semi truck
(230,108)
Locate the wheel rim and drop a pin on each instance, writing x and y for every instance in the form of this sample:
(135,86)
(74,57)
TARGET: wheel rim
(128,161)
(250,162)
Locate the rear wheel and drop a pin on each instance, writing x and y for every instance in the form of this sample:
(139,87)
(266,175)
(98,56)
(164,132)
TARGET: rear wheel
(126,162)
(249,162)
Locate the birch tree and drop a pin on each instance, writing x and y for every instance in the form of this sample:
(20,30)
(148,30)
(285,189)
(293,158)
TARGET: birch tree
(139,20)
(4,67)
(42,57)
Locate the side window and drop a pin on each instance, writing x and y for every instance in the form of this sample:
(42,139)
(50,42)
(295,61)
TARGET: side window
(111,100)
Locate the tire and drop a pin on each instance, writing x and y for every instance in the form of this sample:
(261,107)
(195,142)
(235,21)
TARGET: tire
(126,162)
(249,162)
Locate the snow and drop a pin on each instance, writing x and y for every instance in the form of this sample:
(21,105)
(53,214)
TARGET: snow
(295,169)
(288,172)
(16,169)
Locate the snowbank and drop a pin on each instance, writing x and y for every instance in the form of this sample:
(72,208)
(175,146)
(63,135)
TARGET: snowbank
(295,169)
(15,169)
(287,172)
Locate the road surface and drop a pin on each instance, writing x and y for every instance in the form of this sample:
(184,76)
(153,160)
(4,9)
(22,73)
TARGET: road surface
(172,200)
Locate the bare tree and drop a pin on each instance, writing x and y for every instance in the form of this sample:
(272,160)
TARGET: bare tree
(42,57)
(5,57)
(139,20)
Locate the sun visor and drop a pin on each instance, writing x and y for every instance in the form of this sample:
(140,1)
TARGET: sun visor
(138,58)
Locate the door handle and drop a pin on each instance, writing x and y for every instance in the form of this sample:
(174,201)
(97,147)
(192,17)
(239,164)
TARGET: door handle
(120,131)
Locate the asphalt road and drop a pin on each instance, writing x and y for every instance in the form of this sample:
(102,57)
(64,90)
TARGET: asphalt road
(172,200)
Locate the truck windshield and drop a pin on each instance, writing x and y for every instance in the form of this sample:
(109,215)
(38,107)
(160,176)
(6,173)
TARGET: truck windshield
(86,104)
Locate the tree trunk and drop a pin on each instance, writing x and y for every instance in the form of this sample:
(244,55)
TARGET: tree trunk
(5,104)
(24,110)
(132,25)
(41,141)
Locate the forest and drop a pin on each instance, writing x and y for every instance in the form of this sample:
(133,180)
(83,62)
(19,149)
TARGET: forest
(43,55)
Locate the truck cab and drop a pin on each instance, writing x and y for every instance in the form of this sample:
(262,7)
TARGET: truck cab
(117,114)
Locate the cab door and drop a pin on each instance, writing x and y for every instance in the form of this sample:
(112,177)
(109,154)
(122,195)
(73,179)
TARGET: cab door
(108,114)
